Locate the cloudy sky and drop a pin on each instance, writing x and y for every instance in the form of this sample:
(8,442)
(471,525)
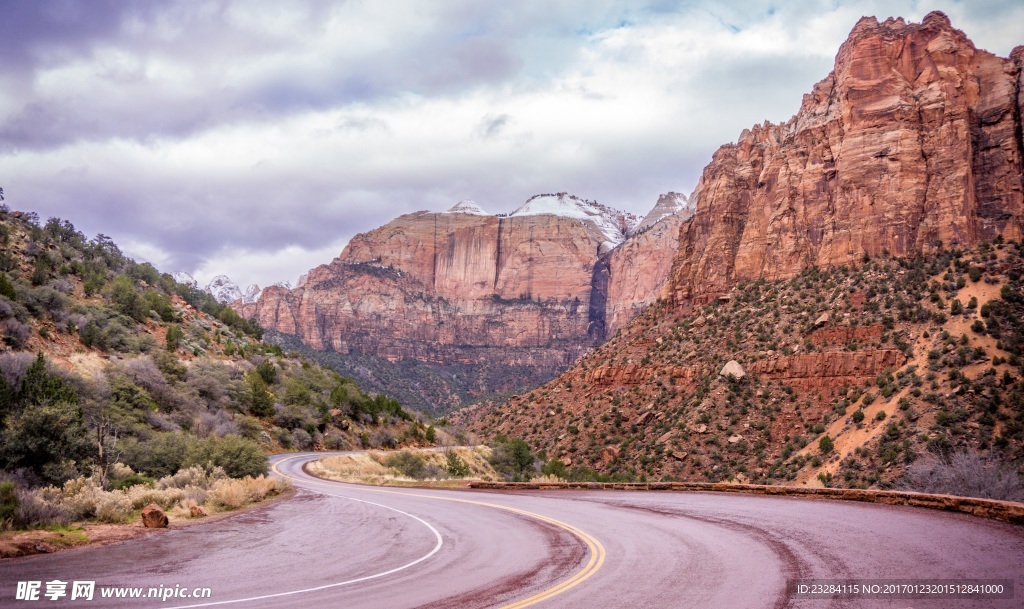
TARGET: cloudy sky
(254,138)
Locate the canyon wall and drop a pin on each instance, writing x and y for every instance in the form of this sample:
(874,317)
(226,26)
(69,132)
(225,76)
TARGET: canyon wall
(514,299)
(913,141)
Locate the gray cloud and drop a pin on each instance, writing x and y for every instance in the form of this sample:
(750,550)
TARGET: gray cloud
(256,137)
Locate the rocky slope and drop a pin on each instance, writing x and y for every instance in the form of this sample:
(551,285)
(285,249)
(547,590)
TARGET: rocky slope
(913,140)
(911,147)
(890,360)
(491,303)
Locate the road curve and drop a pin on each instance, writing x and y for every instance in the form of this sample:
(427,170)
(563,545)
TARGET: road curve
(337,545)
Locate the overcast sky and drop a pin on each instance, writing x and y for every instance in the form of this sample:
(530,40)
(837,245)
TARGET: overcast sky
(254,138)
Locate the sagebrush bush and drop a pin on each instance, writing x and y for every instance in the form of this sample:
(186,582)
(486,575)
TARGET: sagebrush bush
(34,511)
(194,477)
(140,496)
(231,494)
(80,497)
(114,507)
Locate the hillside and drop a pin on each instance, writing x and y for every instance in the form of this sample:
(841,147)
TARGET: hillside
(112,372)
(838,258)
(891,359)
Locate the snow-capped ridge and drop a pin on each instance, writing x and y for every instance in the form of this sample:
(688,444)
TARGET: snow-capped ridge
(185,279)
(466,206)
(252,294)
(223,289)
(613,224)
(669,204)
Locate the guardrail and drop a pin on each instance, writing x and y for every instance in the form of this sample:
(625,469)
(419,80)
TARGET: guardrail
(1007,511)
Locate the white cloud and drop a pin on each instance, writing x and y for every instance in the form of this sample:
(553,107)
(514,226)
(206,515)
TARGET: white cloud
(246,267)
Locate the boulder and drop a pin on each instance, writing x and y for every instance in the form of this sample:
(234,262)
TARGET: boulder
(153,517)
(733,369)
(199,511)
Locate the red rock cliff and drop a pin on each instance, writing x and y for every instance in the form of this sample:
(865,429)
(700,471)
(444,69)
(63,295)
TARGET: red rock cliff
(913,139)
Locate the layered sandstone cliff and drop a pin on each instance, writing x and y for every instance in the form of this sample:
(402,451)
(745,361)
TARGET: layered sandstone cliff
(639,267)
(515,297)
(914,140)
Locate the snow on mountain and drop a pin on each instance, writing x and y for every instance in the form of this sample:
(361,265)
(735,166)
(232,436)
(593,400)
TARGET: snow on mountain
(223,289)
(669,204)
(184,278)
(466,207)
(612,223)
(251,294)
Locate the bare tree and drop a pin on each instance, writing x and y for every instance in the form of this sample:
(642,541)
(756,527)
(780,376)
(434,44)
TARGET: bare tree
(966,474)
(98,418)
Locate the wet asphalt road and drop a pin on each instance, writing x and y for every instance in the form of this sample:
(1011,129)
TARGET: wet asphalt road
(336,545)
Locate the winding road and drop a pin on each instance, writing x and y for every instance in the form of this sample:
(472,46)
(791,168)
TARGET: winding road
(338,545)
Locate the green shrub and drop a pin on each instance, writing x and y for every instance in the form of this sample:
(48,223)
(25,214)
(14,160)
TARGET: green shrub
(6,289)
(161,455)
(555,468)
(512,458)
(408,463)
(49,439)
(456,466)
(858,416)
(825,445)
(8,503)
(239,457)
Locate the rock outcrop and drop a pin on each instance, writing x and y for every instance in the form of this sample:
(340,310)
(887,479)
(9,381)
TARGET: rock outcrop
(912,142)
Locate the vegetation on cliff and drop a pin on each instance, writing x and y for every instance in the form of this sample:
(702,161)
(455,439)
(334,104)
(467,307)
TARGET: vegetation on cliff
(891,360)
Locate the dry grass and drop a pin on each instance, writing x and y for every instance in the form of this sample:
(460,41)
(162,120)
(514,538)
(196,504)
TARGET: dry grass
(84,499)
(231,494)
(370,468)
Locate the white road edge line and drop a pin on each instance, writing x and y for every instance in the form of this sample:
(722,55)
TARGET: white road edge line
(437,547)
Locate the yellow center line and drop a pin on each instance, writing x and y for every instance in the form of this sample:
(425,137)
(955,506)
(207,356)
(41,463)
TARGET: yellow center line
(594,547)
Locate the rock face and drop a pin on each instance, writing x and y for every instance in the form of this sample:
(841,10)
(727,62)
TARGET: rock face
(639,267)
(517,297)
(913,140)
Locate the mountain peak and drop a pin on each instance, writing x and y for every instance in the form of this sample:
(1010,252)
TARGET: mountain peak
(466,206)
(669,204)
(223,289)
